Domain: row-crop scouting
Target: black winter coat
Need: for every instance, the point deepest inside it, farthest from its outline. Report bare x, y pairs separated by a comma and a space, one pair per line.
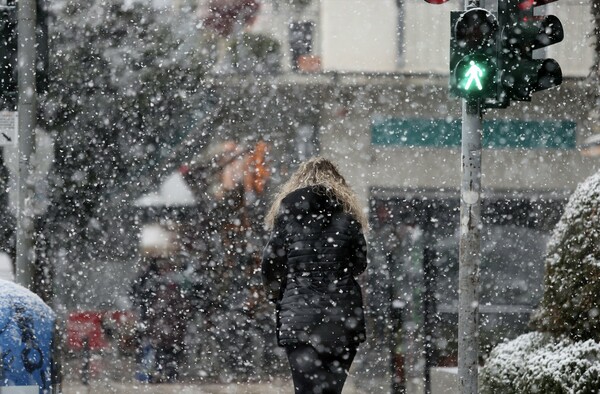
309, 267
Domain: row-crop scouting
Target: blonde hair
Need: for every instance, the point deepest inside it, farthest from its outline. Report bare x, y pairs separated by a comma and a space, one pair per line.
319, 171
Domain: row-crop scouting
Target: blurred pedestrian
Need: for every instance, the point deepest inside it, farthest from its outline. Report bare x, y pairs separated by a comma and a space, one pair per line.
315, 252
164, 306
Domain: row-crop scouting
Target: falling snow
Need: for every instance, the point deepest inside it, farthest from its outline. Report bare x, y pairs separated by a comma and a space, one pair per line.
165, 128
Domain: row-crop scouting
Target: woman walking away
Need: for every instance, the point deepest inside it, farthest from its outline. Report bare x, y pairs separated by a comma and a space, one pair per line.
309, 266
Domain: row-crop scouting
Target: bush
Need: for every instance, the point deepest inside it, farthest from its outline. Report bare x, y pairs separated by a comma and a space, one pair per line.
571, 305
543, 364
563, 356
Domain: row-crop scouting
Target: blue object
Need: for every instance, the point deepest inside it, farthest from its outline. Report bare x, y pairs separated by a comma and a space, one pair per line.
146, 364
27, 327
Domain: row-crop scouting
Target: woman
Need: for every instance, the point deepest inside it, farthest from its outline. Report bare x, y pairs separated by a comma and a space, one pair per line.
309, 266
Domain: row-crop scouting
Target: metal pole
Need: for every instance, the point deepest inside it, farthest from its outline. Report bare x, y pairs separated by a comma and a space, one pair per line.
469, 248
27, 111
429, 307
397, 357
396, 335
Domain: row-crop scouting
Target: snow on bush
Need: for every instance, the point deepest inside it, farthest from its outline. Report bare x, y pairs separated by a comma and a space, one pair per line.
571, 302
564, 356
541, 363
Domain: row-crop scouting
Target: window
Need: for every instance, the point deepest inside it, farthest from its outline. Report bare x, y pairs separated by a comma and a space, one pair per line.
301, 42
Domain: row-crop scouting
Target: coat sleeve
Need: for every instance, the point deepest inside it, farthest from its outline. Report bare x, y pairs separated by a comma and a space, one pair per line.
274, 262
359, 252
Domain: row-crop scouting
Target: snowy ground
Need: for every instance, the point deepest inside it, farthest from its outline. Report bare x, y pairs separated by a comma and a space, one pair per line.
116, 377
103, 383
278, 386
106, 380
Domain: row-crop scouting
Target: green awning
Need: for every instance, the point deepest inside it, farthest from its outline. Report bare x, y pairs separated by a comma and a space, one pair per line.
439, 133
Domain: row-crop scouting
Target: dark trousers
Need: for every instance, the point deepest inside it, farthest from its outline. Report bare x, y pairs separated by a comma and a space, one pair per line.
316, 372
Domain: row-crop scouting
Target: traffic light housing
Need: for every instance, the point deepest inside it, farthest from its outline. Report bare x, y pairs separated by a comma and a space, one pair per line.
473, 55
521, 33
8, 51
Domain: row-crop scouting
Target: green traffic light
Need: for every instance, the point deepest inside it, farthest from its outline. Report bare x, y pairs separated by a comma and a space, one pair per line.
473, 74
474, 77
473, 55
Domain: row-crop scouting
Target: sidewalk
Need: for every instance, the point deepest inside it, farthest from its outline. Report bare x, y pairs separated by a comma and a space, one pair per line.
274, 387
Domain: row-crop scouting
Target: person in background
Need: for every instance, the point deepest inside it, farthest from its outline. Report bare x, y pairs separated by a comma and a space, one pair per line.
164, 307
142, 294
316, 250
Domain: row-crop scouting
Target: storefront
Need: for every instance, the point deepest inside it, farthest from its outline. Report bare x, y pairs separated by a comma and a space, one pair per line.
413, 276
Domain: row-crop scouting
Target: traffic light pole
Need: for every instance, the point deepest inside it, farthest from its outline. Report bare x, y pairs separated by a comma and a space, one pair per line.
27, 110
469, 247
491, 63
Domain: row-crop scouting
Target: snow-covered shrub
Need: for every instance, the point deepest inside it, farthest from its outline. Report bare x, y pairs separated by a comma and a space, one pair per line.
571, 301
541, 363
564, 355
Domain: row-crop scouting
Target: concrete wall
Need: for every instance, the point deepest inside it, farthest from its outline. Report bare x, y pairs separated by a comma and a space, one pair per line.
359, 35
426, 37
574, 53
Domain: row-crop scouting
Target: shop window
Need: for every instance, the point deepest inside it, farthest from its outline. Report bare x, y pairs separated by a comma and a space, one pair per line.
301, 37
413, 274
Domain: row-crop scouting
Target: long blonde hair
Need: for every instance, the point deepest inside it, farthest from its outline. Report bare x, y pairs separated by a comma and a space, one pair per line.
319, 171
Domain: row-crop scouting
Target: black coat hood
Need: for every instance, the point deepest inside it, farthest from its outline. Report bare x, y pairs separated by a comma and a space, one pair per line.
309, 204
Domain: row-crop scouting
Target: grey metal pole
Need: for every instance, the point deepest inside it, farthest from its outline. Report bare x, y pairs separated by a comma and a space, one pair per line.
469, 248
27, 111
